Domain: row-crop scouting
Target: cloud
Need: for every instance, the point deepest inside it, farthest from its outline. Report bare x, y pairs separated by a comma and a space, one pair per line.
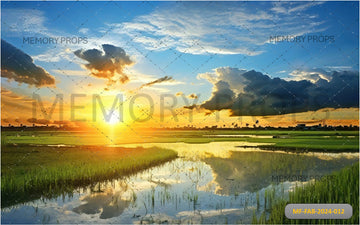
227, 74
84, 30
216, 28
108, 64
192, 96
258, 94
11, 101
63, 122
191, 107
38, 121
339, 68
56, 55
313, 76
222, 97
18, 66
157, 81
292, 7
72, 72
23, 21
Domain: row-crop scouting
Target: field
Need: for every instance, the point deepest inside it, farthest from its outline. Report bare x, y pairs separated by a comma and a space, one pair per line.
31, 172
339, 187
48, 164
332, 141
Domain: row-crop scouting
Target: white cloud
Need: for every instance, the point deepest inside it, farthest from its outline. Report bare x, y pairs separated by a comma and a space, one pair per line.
232, 76
141, 78
84, 30
23, 21
338, 68
310, 75
55, 55
157, 89
224, 28
316, 74
72, 72
292, 7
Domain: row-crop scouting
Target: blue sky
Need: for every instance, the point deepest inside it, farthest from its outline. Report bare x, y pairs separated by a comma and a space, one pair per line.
184, 40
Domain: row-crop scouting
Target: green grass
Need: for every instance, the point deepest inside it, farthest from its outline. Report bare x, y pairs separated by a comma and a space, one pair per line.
335, 141
31, 172
339, 187
331, 144
260, 169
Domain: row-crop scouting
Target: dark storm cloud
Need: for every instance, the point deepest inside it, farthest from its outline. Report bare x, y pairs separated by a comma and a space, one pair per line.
160, 80
261, 95
222, 97
105, 64
193, 106
19, 66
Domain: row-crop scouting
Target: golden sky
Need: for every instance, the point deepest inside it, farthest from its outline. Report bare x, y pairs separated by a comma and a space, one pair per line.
17, 109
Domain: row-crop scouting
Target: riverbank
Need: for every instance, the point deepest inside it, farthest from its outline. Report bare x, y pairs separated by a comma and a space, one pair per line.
301, 141
339, 187
30, 172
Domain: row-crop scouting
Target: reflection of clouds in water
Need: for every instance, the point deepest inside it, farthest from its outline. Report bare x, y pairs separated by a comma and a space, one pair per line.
251, 171
219, 209
115, 197
208, 212
332, 156
220, 185
109, 203
196, 217
200, 150
225, 149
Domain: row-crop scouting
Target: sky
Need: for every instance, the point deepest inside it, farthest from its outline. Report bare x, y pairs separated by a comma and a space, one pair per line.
237, 61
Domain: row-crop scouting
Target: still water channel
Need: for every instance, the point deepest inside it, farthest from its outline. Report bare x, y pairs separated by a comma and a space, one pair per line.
215, 182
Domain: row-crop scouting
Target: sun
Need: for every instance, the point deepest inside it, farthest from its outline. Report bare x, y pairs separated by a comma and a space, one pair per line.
115, 118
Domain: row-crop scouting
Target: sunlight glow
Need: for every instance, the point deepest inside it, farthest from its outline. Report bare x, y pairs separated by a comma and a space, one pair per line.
114, 119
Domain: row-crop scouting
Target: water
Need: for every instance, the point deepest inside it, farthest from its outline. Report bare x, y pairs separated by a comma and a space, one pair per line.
210, 183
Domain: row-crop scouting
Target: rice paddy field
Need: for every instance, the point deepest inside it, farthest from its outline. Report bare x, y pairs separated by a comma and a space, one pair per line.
339, 187
29, 172
337, 141
205, 176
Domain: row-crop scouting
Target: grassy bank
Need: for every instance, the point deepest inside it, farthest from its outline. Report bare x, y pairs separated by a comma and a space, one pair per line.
339, 187
30, 172
334, 141
330, 144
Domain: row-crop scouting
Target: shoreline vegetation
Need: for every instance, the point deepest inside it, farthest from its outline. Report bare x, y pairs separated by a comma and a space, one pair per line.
49, 164
29, 173
339, 187
294, 141
299, 149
